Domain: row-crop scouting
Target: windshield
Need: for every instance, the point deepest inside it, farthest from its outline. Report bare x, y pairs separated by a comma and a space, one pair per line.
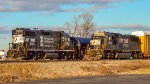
17, 32
97, 37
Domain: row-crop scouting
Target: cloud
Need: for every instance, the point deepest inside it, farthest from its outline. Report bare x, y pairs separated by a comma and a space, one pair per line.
2, 27
125, 27
3, 37
54, 5
4, 30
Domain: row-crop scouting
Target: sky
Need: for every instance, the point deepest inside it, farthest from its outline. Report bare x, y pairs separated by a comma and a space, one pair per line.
120, 16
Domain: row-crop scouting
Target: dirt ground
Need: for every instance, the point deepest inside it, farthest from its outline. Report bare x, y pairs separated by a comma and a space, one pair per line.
16, 72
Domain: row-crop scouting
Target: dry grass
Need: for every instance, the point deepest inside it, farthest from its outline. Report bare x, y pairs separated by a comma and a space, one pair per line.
35, 71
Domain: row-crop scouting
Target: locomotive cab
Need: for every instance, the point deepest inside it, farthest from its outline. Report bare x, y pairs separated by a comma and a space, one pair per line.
17, 47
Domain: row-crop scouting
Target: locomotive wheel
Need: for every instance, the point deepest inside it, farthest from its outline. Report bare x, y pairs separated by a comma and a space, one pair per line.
73, 56
29, 56
35, 56
60, 56
116, 55
81, 55
141, 56
44, 56
135, 56
67, 57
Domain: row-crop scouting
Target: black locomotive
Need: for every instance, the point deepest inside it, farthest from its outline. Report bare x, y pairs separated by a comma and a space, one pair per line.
106, 45
45, 44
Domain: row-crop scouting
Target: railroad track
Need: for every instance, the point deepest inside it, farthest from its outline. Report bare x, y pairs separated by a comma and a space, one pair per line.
47, 61
27, 61
38, 61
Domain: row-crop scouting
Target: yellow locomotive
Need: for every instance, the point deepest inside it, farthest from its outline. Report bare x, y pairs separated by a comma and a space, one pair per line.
144, 42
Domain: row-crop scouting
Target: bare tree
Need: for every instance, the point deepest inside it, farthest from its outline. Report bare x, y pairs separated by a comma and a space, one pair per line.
87, 25
68, 27
82, 25
72, 26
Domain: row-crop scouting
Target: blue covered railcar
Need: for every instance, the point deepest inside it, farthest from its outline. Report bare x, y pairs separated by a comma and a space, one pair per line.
80, 45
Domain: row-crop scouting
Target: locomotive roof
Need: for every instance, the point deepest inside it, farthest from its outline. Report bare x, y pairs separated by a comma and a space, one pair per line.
103, 33
80, 39
140, 33
22, 29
